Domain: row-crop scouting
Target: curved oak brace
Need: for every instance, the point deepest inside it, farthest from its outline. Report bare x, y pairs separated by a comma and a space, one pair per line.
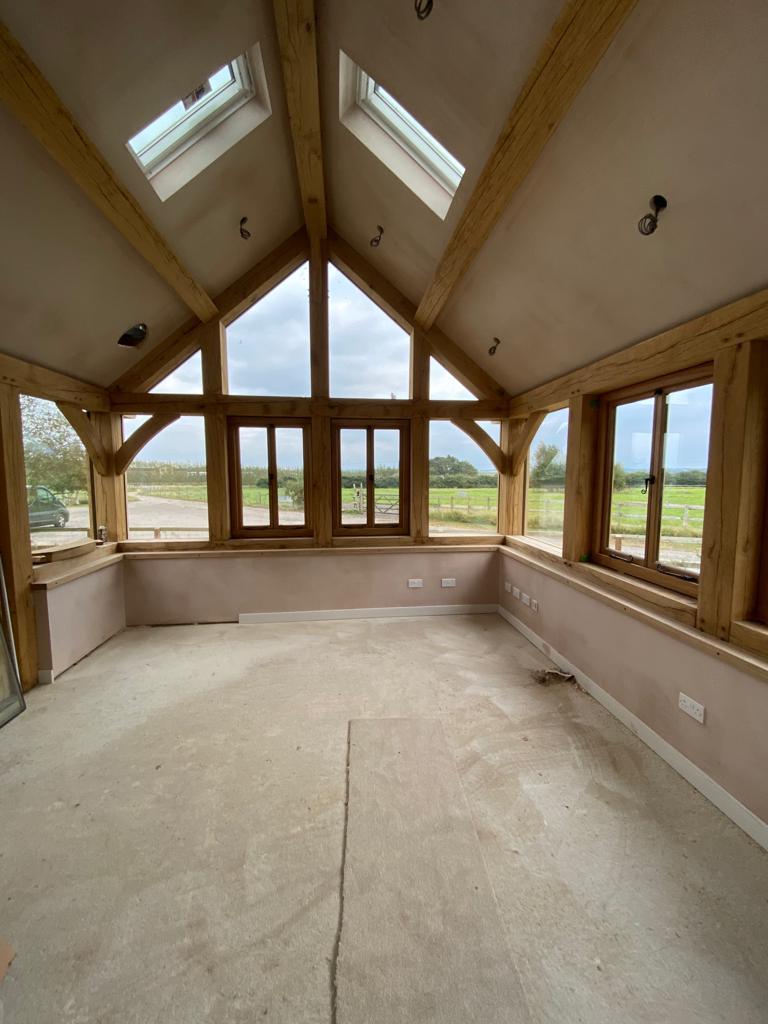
86, 431
483, 441
521, 441
129, 449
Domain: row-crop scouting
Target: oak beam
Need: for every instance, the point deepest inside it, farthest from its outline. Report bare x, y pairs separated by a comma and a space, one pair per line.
295, 21
30, 98
484, 441
736, 480
521, 440
574, 48
215, 382
373, 283
141, 437
51, 385
109, 491
580, 473
687, 345
15, 544
88, 434
246, 405
253, 285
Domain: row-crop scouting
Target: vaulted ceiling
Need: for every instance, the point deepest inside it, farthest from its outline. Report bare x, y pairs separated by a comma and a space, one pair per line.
678, 105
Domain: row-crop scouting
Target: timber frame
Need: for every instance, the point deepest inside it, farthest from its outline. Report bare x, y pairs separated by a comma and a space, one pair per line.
731, 600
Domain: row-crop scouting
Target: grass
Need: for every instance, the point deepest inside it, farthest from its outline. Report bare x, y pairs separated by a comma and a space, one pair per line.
545, 511
477, 506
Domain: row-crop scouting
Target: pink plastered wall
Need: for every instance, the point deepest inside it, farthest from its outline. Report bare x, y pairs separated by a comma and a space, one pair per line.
74, 619
163, 591
645, 670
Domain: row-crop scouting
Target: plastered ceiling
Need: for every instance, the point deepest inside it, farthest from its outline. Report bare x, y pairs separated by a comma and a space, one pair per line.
679, 105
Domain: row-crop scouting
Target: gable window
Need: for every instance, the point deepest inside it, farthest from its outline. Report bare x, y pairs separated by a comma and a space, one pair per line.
654, 481
463, 483
197, 112
370, 477
268, 462
394, 135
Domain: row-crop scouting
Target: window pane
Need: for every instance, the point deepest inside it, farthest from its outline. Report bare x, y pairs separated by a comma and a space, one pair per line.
463, 484
254, 471
686, 446
167, 494
386, 476
443, 384
268, 346
289, 442
370, 356
631, 465
354, 499
58, 485
545, 497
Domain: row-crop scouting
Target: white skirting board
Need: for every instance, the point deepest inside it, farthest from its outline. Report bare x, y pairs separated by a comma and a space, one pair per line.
246, 618
713, 791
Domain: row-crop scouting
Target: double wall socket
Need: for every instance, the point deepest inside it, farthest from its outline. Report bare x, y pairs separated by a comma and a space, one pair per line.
691, 707
414, 584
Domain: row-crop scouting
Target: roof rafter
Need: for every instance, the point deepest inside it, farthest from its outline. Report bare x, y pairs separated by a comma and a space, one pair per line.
30, 98
574, 48
253, 285
295, 21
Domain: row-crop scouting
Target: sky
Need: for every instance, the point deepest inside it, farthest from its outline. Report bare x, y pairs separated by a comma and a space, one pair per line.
268, 354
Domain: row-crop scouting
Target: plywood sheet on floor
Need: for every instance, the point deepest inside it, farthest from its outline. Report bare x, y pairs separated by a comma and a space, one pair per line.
421, 938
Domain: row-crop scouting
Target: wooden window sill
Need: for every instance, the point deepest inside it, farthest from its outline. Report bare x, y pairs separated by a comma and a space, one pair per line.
579, 576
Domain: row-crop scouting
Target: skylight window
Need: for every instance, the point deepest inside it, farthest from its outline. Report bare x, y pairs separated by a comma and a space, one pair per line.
389, 131
193, 115
412, 136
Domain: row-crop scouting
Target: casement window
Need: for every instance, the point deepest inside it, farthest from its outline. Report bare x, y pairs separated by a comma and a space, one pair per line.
371, 477
268, 475
207, 105
545, 481
654, 477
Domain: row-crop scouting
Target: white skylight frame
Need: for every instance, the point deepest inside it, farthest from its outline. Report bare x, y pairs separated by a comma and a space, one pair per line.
406, 130
172, 136
381, 123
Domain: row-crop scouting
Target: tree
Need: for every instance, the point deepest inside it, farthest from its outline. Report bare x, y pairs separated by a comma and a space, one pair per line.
54, 456
619, 477
548, 466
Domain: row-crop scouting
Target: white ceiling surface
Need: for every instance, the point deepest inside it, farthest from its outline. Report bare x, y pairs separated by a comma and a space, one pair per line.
458, 73
679, 106
70, 284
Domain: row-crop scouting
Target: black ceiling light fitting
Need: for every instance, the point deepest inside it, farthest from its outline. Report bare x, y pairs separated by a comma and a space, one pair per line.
375, 242
423, 9
245, 234
494, 346
648, 224
133, 337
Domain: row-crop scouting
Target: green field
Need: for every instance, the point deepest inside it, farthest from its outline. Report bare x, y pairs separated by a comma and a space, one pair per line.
682, 514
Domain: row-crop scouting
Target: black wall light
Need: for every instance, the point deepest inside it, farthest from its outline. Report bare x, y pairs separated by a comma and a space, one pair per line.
134, 336
375, 242
494, 346
648, 224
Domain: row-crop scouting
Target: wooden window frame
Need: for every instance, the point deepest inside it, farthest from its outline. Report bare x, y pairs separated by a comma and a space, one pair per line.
603, 555
273, 529
372, 529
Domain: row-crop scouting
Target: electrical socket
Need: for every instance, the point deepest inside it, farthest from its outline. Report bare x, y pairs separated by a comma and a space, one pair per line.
534, 605
691, 707
508, 586
447, 582
526, 600
516, 592
414, 584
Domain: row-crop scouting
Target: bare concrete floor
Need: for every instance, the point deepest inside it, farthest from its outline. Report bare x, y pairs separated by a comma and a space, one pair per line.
171, 819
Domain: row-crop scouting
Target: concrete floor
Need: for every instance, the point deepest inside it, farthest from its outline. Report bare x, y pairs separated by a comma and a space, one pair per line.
171, 820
